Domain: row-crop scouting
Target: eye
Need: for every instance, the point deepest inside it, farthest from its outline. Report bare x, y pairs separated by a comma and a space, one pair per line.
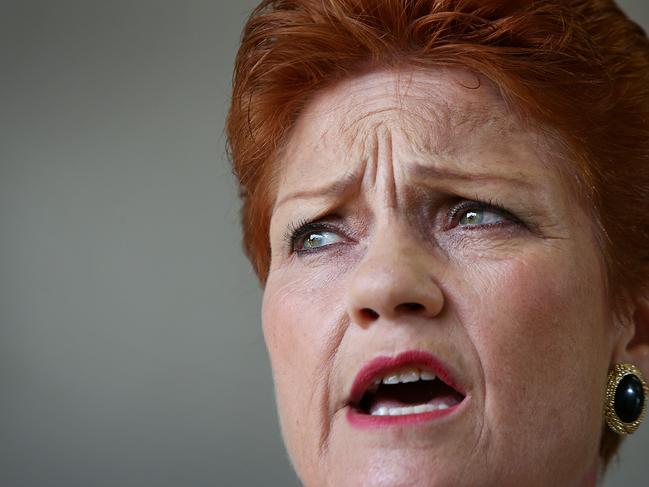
479, 217
479, 214
316, 240
308, 237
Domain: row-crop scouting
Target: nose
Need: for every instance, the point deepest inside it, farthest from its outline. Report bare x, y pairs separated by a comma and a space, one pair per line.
395, 279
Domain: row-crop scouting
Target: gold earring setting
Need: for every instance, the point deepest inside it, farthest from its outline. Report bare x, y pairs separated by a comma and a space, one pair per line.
626, 399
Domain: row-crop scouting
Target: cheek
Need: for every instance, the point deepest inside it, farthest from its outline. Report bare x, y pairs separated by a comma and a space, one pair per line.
544, 313
541, 341
300, 323
298, 314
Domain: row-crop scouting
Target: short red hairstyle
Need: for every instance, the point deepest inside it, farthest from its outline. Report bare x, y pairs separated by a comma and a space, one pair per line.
579, 66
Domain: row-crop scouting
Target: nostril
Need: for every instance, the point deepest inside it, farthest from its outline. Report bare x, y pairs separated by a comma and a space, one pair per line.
369, 314
409, 307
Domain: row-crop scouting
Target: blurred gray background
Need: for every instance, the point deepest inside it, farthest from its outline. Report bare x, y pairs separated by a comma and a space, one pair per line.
131, 351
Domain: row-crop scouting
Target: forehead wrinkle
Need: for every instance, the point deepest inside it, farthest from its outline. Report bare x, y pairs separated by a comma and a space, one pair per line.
451, 107
370, 154
451, 128
371, 141
431, 125
446, 114
380, 172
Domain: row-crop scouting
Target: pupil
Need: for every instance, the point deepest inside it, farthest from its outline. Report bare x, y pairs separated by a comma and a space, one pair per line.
471, 217
313, 240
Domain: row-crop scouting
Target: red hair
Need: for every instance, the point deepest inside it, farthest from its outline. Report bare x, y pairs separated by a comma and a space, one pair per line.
579, 66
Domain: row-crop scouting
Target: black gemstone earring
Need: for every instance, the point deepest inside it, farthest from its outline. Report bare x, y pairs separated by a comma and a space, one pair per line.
626, 399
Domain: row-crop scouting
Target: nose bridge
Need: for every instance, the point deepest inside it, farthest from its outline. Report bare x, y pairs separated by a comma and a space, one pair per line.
396, 278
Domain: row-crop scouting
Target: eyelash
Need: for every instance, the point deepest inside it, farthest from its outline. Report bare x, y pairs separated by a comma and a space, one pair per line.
302, 228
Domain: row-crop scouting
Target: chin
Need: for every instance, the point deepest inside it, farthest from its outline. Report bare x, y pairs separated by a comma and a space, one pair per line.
403, 469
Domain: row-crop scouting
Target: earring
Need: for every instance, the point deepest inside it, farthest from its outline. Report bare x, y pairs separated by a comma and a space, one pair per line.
626, 399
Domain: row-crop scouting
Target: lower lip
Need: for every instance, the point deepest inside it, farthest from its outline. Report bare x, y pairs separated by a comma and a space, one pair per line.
365, 421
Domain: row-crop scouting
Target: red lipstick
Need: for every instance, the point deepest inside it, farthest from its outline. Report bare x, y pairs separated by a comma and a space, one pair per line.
421, 401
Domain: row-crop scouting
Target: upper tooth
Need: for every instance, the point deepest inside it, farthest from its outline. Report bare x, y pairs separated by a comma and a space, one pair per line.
391, 379
425, 375
405, 376
410, 376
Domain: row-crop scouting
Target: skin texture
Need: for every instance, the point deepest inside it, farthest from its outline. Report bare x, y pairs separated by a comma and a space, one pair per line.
516, 307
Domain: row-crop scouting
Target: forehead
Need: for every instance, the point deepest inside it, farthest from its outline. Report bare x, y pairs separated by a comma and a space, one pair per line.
447, 116
436, 106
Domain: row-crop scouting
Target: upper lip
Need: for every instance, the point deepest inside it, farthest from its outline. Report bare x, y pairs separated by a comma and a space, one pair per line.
379, 366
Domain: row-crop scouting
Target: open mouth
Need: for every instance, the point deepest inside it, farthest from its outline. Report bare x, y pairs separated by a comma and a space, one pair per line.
413, 383
408, 391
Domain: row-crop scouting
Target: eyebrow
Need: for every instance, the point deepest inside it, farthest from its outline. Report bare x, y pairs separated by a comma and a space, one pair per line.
344, 184
336, 188
446, 174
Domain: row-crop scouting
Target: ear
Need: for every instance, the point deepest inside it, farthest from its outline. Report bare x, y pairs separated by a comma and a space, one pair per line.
632, 343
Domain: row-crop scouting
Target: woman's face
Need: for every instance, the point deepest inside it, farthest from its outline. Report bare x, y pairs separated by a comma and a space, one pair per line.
426, 239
